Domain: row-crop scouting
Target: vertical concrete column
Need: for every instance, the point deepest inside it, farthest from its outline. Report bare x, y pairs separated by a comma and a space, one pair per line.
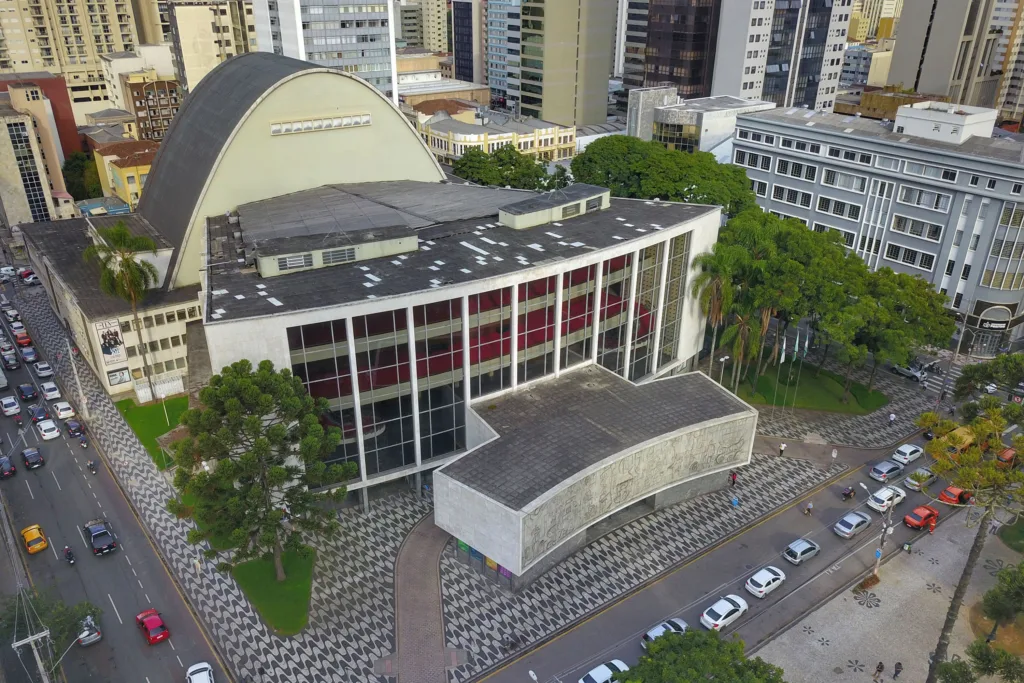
596, 322
515, 336
353, 369
659, 314
410, 329
466, 393
634, 274
559, 280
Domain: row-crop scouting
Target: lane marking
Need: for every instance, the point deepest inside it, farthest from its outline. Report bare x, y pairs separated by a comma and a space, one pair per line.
147, 598
140, 584
172, 644
54, 552
133, 572
55, 480
115, 610
94, 494
125, 556
29, 489
179, 661
85, 541
104, 513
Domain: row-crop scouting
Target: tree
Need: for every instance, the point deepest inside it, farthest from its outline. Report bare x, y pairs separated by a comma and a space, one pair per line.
30, 610
254, 455
80, 176
712, 287
559, 179
994, 488
125, 274
1004, 602
519, 170
699, 655
475, 166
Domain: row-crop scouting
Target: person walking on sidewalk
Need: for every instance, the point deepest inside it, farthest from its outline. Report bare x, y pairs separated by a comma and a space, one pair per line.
878, 672
897, 670
892, 419
782, 449
732, 477
942, 396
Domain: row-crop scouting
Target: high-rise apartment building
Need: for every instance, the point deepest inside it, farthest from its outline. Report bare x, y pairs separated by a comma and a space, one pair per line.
469, 40
789, 53
206, 32
355, 36
1011, 93
155, 58
871, 18
952, 48
503, 46
409, 20
435, 24
153, 21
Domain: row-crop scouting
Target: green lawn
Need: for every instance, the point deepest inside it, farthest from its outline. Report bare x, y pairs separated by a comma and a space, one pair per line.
284, 606
1013, 535
812, 391
148, 422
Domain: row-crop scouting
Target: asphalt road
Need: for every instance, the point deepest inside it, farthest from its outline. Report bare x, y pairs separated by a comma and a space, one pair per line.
615, 632
62, 496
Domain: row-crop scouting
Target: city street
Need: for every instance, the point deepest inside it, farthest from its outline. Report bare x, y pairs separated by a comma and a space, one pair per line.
615, 633
62, 496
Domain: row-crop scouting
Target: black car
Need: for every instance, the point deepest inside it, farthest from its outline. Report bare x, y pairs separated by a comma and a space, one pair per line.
7, 468
103, 539
32, 458
39, 413
75, 428
11, 362
27, 392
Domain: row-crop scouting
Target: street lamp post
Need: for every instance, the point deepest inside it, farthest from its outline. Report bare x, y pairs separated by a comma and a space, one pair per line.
887, 528
166, 419
721, 375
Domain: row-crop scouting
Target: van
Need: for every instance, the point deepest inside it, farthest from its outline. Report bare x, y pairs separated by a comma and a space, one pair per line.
966, 440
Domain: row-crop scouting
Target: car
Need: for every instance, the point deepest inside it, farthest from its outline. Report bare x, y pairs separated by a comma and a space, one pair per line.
1006, 459
27, 392
10, 361
724, 612
31, 280
920, 478
953, 495
7, 270
39, 413
605, 672
886, 497
673, 625
48, 430
851, 524
35, 539
152, 625
18, 327
928, 435
89, 633
101, 535
63, 410
885, 470
12, 315
764, 582
7, 348
921, 517
908, 372
50, 391
7, 468
199, 673
74, 427
29, 355
43, 370
23, 271
10, 405
907, 453
32, 458
801, 550
991, 388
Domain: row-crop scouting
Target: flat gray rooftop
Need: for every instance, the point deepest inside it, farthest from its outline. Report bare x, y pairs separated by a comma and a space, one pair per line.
560, 427
715, 103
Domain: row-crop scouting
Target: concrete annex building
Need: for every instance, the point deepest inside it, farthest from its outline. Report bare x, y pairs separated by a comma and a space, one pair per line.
426, 311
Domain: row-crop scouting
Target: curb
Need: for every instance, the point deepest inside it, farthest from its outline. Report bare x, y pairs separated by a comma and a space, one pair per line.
711, 547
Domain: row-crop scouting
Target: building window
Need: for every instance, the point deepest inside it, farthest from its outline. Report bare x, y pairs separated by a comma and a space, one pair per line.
30, 176
958, 299
950, 264
295, 261
844, 181
126, 325
158, 318
975, 180
917, 228
925, 198
966, 272
335, 256
991, 183
927, 261
1016, 188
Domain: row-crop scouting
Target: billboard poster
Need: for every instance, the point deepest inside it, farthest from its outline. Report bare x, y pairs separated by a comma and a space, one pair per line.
111, 344
115, 377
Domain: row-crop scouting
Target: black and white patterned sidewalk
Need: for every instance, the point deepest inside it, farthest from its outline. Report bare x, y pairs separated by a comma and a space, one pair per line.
351, 622
478, 616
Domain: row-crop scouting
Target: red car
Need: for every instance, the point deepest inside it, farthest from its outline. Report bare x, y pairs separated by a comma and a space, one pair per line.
22, 339
153, 627
955, 496
921, 517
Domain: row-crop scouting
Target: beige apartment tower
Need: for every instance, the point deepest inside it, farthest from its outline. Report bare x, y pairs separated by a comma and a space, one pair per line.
566, 58
204, 33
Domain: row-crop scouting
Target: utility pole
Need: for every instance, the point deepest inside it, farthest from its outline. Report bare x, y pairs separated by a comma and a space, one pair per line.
887, 529
33, 640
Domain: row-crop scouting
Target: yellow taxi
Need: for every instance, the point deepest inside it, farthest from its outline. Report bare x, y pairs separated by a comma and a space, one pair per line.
35, 541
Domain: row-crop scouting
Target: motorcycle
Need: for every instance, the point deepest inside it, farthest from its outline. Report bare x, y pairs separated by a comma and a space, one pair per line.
18, 420
68, 555
83, 442
849, 492
92, 466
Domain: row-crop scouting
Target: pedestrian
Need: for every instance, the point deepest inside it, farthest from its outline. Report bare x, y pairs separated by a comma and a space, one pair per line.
782, 449
892, 419
735, 502
931, 525
732, 477
878, 672
952, 410
897, 670
942, 396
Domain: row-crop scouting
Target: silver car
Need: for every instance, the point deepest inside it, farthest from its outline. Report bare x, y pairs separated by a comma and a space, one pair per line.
851, 524
920, 478
885, 471
673, 625
801, 550
89, 633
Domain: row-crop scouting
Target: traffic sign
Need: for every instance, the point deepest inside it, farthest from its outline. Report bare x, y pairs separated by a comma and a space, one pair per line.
878, 553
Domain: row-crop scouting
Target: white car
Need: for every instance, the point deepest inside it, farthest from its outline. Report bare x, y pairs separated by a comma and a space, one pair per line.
7, 270
668, 626
886, 497
32, 280
991, 388
48, 430
17, 327
43, 370
907, 453
12, 315
10, 405
63, 410
199, 673
50, 391
764, 582
724, 612
604, 673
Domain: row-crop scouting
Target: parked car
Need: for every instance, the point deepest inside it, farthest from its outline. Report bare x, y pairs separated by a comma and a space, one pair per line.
907, 453
851, 524
764, 582
7, 270
885, 470
801, 550
604, 672
991, 388
886, 497
921, 517
953, 495
673, 625
31, 280
920, 478
724, 612
1006, 459
909, 373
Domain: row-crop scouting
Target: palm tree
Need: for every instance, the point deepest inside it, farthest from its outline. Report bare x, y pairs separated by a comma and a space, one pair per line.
713, 288
743, 334
124, 274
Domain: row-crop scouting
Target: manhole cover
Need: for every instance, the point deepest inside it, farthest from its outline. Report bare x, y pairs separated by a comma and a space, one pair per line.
837, 670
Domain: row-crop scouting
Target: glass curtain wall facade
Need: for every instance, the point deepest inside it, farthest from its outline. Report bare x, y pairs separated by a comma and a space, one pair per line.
795, 22
503, 51
404, 369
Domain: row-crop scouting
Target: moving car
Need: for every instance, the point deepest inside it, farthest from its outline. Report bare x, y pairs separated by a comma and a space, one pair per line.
885, 470
764, 582
673, 625
604, 672
801, 550
909, 373
43, 370
955, 496
101, 536
10, 361
152, 626
907, 453
851, 524
724, 612
29, 355
920, 478
35, 540
74, 427
32, 458
50, 391
39, 413
886, 497
199, 673
7, 468
48, 430
10, 405
89, 633
22, 339
921, 516
63, 410
27, 392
